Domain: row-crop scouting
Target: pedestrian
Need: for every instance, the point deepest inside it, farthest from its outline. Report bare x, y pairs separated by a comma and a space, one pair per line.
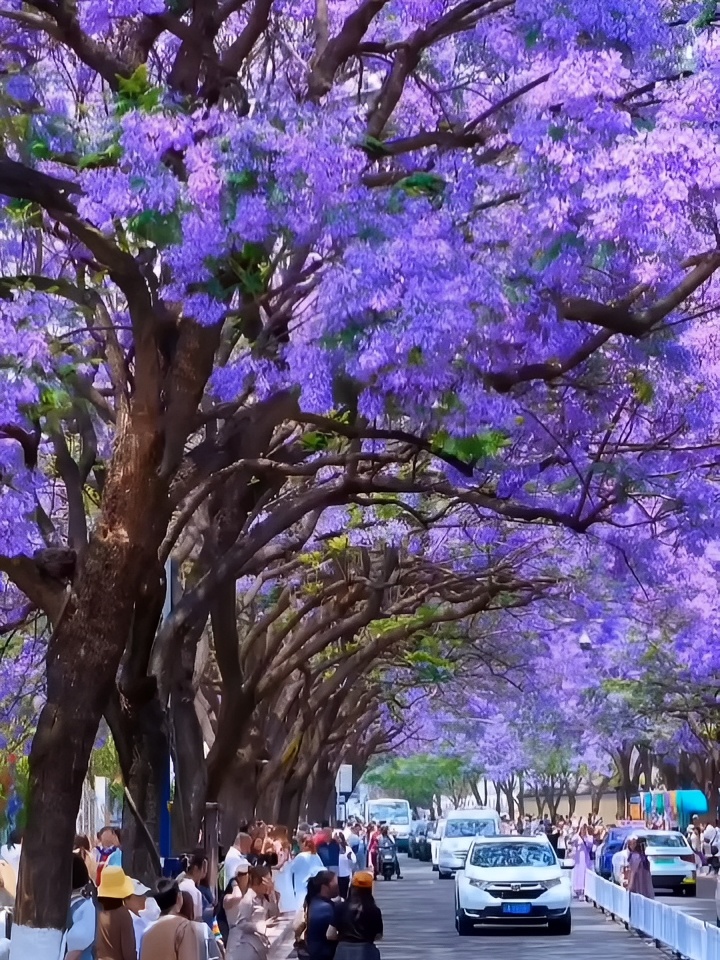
694, 836
81, 846
347, 864
637, 875
144, 911
171, 937
711, 847
238, 854
359, 922
81, 932
10, 852
328, 849
582, 848
262, 853
305, 865
280, 838
251, 914
321, 915
232, 894
358, 843
107, 852
115, 930
374, 835
189, 880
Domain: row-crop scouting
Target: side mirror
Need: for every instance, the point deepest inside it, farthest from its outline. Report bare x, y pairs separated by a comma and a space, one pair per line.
567, 864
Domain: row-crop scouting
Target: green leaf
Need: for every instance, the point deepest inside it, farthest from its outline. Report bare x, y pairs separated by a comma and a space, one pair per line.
564, 242
243, 181
158, 228
137, 93
532, 37
40, 150
642, 388
470, 449
315, 441
708, 15
374, 147
423, 185
104, 158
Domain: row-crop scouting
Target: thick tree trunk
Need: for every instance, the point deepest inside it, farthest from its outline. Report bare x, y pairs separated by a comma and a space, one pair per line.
238, 800
319, 795
289, 808
145, 785
82, 665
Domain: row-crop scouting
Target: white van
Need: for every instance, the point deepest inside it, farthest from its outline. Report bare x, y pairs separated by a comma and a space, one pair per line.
461, 828
435, 841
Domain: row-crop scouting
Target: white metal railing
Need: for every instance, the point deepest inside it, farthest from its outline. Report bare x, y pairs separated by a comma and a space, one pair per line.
608, 896
686, 936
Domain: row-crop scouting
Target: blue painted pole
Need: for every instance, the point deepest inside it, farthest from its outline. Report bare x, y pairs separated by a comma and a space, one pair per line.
165, 821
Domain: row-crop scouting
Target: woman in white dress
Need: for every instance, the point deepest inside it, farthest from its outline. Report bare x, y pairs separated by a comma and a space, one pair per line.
305, 865
248, 916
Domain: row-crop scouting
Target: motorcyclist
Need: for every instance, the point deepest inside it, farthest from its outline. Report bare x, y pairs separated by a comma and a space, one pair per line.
386, 842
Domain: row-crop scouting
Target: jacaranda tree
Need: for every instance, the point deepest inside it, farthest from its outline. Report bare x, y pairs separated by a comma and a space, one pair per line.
420, 248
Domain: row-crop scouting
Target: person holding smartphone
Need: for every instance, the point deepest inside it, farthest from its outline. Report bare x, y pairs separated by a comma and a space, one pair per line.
257, 908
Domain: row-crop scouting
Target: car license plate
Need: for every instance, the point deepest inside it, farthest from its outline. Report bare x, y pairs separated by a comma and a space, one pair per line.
516, 908
665, 860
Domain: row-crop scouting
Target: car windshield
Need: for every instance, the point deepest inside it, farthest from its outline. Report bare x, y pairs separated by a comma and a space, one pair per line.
470, 828
389, 812
513, 855
664, 841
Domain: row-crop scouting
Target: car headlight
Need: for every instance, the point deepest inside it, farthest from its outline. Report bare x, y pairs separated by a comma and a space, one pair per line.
479, 884
552, 883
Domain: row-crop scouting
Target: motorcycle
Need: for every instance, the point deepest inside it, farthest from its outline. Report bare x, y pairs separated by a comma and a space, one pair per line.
386, 862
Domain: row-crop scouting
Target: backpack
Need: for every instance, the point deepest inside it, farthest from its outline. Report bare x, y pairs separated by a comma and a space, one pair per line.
89, 953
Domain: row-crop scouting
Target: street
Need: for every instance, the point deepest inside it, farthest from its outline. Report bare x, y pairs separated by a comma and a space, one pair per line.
419, 921
702, 906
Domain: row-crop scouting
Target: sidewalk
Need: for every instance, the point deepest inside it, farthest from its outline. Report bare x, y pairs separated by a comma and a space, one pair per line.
281, 938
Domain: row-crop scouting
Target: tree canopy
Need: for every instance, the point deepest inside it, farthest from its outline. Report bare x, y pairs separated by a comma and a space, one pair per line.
376, 323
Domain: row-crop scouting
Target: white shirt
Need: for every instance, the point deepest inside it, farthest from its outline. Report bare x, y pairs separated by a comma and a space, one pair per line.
188, 886
347, 864
233, 860
11, 855
83, 930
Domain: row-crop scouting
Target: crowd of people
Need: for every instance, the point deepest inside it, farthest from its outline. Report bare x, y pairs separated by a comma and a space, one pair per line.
323, 878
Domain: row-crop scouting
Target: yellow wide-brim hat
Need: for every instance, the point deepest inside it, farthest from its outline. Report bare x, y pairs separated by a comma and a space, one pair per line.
114, 883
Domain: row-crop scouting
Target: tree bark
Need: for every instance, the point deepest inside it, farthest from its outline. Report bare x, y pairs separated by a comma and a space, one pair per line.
82, 664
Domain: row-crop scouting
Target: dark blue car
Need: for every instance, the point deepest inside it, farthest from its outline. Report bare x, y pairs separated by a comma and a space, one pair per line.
608, 848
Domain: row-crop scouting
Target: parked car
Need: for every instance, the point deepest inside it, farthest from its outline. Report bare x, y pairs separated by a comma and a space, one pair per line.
513, 881
611, 845
672, 861
461, 828
417, 829
424, 842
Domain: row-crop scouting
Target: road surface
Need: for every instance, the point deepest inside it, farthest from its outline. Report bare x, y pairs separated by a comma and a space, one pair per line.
419, 916
702, 906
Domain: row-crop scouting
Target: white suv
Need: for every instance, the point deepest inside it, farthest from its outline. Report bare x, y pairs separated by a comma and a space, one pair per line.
513, 880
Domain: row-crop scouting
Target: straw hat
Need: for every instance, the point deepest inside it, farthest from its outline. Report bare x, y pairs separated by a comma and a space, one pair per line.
363, 880
115, 884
